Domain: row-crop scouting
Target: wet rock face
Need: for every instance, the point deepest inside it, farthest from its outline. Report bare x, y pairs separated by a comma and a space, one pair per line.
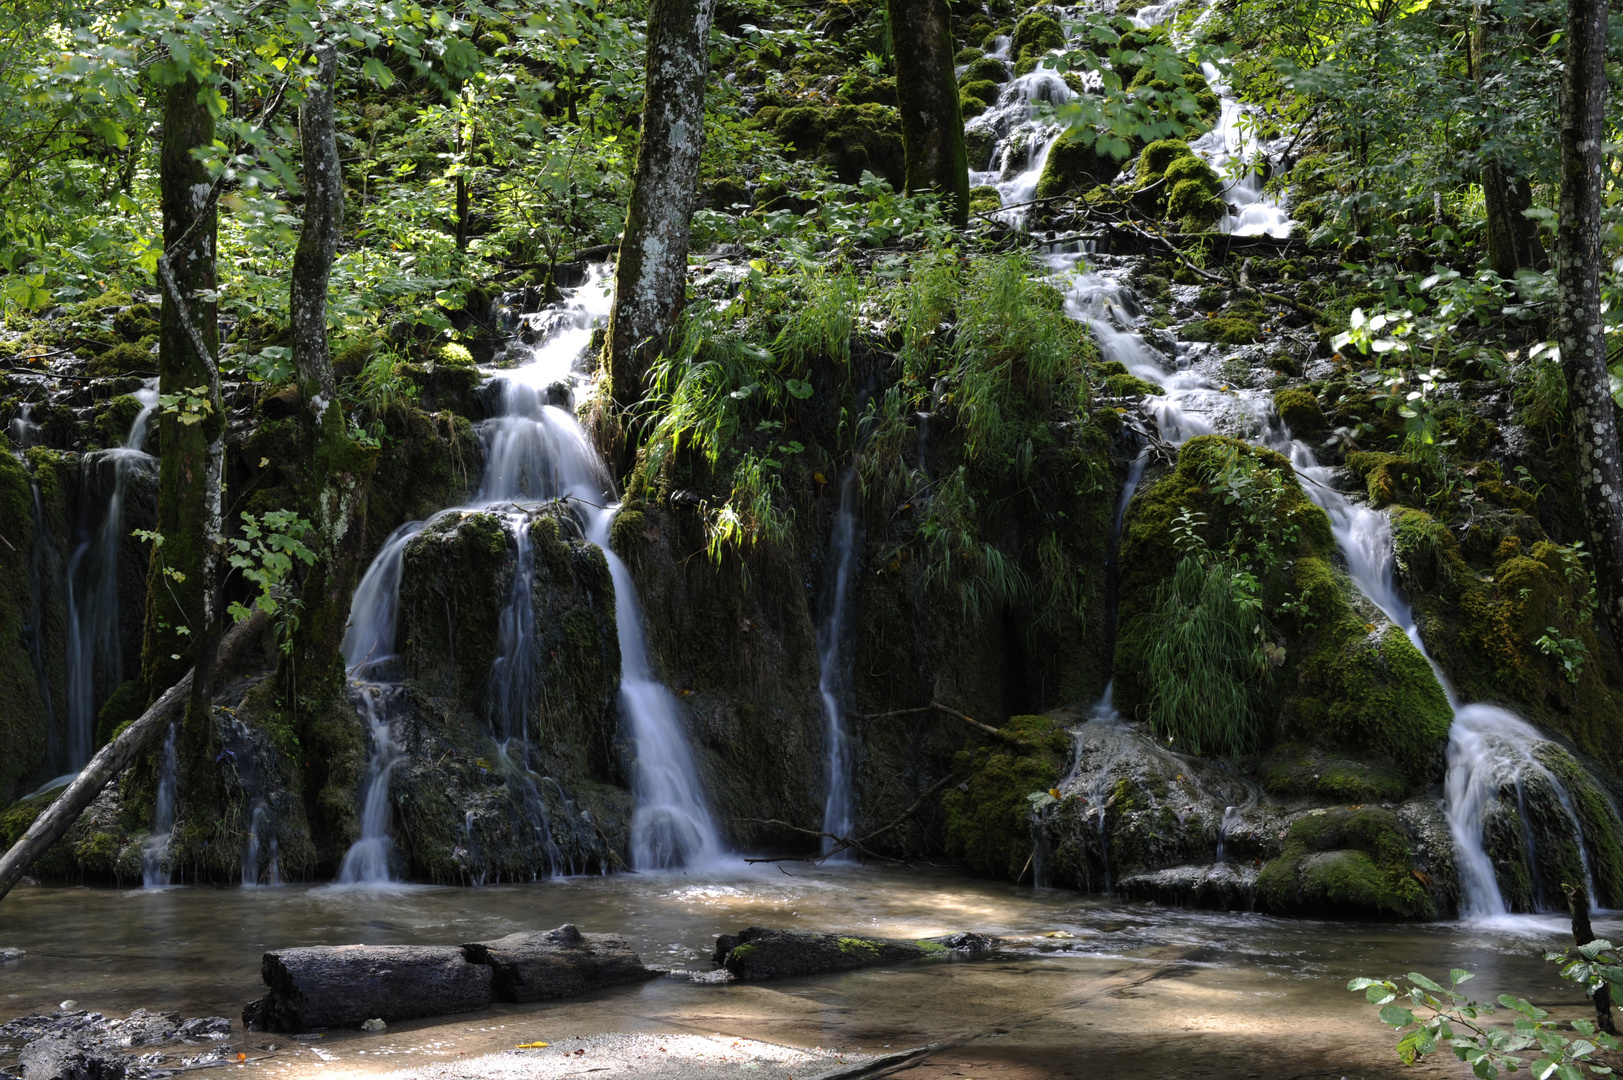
78, 1045
761, 953
515, 767
55, 1058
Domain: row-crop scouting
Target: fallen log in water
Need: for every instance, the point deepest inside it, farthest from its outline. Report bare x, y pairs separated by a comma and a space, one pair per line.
344, 985
760, 953
557, 963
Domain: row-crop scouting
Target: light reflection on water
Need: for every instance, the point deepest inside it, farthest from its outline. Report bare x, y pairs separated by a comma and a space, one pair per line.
197, 950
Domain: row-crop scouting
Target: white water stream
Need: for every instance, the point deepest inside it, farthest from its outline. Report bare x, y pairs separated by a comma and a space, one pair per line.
535, 453
834, 657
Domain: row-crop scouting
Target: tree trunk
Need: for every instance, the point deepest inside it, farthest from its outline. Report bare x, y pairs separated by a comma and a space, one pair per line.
113, 758
318, 242
1578, 328
335, 470
1513, 241
927, 91
179, 583
650, 281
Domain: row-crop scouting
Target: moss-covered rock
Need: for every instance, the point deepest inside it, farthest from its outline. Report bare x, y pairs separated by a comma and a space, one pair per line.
1155, 158
1347, 862
124, 359
1035, 34
1302, 771
989, 824
1222, 330
1300, 410
850, 139
985, 69
1074, 168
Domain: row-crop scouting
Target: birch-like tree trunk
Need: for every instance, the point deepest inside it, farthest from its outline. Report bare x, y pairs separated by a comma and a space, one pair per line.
927, 92
180, 578
650, 280
318, 242
1578, 327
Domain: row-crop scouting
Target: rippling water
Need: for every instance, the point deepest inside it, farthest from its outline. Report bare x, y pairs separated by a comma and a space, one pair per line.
1136, 985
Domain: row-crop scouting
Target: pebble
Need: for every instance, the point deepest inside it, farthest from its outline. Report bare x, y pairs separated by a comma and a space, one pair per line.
9, 955
68, 1004
375, 1024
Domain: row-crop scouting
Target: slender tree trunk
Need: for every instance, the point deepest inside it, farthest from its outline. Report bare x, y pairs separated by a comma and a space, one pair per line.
336, 470
1578, 328
318, 243
1513, 241
650, 281
179, 581
926, 90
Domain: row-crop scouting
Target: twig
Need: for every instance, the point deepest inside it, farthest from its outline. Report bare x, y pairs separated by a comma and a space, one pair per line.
918, 804
971, 721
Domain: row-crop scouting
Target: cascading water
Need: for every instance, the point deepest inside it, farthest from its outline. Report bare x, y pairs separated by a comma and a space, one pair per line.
1490, 751
95, 658
154, 874
535, 454
834, 656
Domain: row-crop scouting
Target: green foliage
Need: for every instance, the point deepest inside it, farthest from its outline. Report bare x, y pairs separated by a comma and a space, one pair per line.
264, 554
1201, 646
1429, 1015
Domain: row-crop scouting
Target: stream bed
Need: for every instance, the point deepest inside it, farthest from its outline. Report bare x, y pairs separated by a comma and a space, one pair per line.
1122, 990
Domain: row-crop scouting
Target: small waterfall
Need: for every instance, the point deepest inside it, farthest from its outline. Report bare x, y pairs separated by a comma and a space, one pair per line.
153, 872
369, 657
834, 655
1231, 818
261, 841
23, 430
670, 825
39, 567
535, 454
1490, 751
95, 658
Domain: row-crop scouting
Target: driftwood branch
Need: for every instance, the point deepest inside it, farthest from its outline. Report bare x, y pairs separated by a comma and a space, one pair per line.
115, 757
948, 709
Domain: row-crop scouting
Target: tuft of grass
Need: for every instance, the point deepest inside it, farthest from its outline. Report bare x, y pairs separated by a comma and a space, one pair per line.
1201, 647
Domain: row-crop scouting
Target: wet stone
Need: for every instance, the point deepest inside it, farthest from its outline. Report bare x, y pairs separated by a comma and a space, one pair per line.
761, 953
59, 1058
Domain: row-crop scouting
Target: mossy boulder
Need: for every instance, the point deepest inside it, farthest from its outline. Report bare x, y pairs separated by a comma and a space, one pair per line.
1298, 770
849, 139
1346, 862
975, 97
985, 69
1155, 158
1222, 330
1074, 168
984, 200
113, 423
1035, 34
124, 359
1195, 209
1300, 410
978, 143
989, 822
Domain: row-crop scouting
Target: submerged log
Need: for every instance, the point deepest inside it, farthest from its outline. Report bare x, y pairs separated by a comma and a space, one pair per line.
345, 985
760, 953
539, 965
340, 986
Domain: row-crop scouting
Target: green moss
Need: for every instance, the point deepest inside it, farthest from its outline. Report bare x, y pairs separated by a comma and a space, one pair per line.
114, 422
1074, 168
123, 706
1300, 770
454, 355
984, 200
1345, 862
978, 143
1300, 410
932, 948
1194, 207
1125, 385
124, 359
847, 138
741, 953
989, 823
858, 947
1157, 156
1389, 478
1036, 33
1222, 330
985, 69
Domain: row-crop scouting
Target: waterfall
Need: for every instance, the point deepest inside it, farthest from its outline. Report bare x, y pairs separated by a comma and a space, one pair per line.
261, 825
1489, 749
1022, 140
535, 454
95, 657
153, 872
834, 655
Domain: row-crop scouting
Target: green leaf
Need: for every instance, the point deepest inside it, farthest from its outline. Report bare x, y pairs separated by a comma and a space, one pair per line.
1459, 975
379, 71
1397, 1016
1424, 983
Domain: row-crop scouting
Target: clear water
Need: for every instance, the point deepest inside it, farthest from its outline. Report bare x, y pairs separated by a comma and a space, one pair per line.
1235, 993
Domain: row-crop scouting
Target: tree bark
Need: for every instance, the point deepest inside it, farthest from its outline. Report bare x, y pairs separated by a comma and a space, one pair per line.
1512, 238
650, 280
927, 91
1578, 327
318, 242
113, 758
178, 608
